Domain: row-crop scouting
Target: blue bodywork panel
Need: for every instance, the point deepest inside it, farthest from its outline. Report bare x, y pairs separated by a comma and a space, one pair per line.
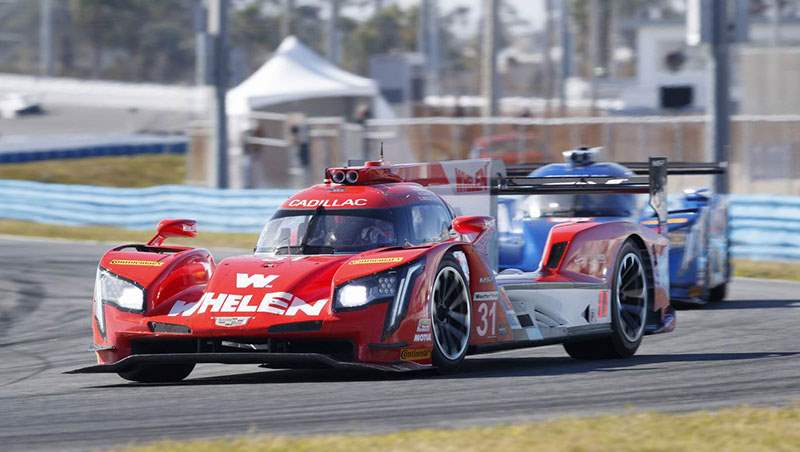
697, 226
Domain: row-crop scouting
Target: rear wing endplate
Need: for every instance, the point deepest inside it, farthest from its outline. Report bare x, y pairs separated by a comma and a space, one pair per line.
653, 181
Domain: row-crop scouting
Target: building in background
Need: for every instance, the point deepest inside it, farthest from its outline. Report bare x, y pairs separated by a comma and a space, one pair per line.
401, 79
672, 76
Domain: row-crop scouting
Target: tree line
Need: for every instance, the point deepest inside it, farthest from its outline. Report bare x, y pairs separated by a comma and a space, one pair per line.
155, 40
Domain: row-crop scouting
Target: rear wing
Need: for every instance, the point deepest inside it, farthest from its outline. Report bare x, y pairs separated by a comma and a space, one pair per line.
654, 183
673, 168
471, 187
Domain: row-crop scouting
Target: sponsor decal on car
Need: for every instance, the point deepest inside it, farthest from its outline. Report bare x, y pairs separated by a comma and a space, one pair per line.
472, 182
376, 260
486, 296
136, 262
278, 303
243, 281
485, 279
424, 326
358, 202
413, 354
422, 337
231, 321
602, 305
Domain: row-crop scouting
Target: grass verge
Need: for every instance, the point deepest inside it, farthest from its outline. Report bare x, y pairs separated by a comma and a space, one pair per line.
119, 236
768, 270
744, 268
122, 171
737, 429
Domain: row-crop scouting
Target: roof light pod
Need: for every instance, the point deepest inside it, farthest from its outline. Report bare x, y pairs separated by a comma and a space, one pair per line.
364, 175
583, 156
338, 177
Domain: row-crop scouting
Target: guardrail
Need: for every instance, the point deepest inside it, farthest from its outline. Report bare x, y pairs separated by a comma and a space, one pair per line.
765, 227
90, 146
761, 227
138, 208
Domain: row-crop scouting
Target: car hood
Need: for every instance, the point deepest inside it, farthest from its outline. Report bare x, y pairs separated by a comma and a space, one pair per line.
272, 290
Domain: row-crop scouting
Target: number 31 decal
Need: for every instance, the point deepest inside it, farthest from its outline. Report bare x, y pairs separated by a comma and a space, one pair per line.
487, 325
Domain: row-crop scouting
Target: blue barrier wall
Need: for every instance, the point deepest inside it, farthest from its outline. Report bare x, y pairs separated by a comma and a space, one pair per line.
139, 208
765, 227
761, 227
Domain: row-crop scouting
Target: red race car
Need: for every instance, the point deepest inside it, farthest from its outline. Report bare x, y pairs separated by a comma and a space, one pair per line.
373, 269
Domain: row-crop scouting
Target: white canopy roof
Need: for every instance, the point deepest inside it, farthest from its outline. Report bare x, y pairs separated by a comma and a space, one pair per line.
294, 73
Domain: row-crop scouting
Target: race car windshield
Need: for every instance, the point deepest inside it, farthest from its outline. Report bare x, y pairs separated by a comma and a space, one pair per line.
333, 231
581, 205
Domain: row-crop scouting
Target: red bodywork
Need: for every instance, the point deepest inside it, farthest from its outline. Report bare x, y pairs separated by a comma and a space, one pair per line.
289, 299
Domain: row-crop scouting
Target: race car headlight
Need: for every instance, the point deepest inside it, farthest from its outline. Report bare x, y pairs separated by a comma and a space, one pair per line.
395, 285
98, 305
363, 291
112, 289
677, 239
399, 306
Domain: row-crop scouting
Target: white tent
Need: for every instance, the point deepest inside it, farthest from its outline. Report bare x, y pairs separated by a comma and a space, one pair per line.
294, 80
294, 77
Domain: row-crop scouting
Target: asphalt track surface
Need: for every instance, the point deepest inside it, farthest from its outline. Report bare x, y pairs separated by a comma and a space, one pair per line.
743, 351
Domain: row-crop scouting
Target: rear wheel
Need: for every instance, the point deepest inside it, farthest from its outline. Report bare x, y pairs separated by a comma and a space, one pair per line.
630, 303
157, 373
718, 293
450, 312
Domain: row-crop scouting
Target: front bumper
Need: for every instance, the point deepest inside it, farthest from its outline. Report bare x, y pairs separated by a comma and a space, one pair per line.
265, 359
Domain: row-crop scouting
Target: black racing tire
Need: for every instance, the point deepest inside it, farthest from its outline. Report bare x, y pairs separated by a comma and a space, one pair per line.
718, 293
157, 373
630, 304
450, 312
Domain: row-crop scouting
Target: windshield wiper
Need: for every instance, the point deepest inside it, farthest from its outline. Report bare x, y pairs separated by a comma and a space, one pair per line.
557, 213
287, 249
303, 249
316, 249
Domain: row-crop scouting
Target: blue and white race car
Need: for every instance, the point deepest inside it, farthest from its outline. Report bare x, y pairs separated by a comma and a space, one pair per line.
699, 261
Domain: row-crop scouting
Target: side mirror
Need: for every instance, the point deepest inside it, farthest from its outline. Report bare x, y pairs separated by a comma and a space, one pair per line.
173, 228
472, 224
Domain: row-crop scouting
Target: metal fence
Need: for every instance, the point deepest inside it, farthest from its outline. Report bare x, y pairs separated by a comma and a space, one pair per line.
764, 154
761, 227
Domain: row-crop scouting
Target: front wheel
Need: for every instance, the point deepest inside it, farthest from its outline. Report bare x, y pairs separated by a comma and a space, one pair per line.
450, 312
631, 299
157, 373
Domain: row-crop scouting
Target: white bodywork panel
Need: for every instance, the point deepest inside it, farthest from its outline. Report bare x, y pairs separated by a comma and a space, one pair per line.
554, 308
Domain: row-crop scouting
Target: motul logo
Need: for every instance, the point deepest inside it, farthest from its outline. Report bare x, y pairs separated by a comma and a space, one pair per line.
469, 183
243, 281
